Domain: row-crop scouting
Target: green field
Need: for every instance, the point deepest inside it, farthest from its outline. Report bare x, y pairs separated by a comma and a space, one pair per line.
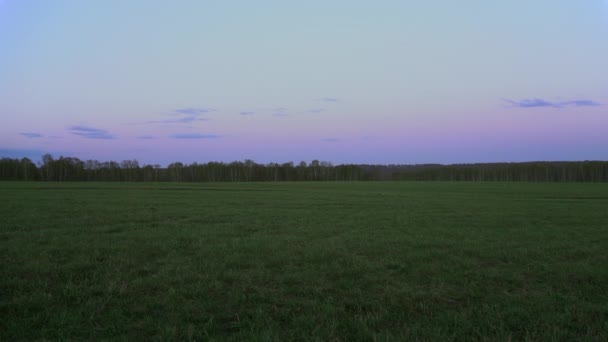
304, 261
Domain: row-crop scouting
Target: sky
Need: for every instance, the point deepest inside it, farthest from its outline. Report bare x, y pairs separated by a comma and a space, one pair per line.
390, 82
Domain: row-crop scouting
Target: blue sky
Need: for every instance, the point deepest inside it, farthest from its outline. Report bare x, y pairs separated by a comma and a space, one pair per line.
344, 81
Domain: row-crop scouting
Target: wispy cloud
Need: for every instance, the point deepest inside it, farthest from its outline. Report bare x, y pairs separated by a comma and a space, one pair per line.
581, 103
330, 99
184, 116
145, 137
331, 140
530, 103
316, 110
194, 136
91, 132
280, 112
536, 103
246, 113
193, 111
183, 120
31, 135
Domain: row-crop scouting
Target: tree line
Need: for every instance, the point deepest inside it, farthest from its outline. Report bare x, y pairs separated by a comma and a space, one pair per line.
583, 171
68, 169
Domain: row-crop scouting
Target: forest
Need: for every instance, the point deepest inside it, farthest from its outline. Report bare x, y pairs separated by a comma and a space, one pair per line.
70, 169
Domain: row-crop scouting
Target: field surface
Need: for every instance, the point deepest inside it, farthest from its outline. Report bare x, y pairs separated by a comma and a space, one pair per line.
304, 261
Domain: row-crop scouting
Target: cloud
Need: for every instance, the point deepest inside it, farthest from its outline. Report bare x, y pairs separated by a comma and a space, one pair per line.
331, 140
184, 116
145, 137
91, 132
194, 136
184, 120
280, 111
330, 99
536, 102
31, 135
581, 103
246, 113
316, 110
531, 103
193, 111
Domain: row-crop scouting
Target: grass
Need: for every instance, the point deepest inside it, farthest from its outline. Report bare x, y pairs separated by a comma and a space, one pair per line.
304, 261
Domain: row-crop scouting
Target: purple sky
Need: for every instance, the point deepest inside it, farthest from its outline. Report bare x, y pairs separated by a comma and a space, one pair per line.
360, 82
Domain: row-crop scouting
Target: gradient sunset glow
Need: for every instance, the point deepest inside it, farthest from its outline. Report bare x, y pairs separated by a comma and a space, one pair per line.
345, 81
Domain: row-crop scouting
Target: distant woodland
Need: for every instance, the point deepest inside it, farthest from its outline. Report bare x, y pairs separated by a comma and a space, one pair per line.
70, 169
